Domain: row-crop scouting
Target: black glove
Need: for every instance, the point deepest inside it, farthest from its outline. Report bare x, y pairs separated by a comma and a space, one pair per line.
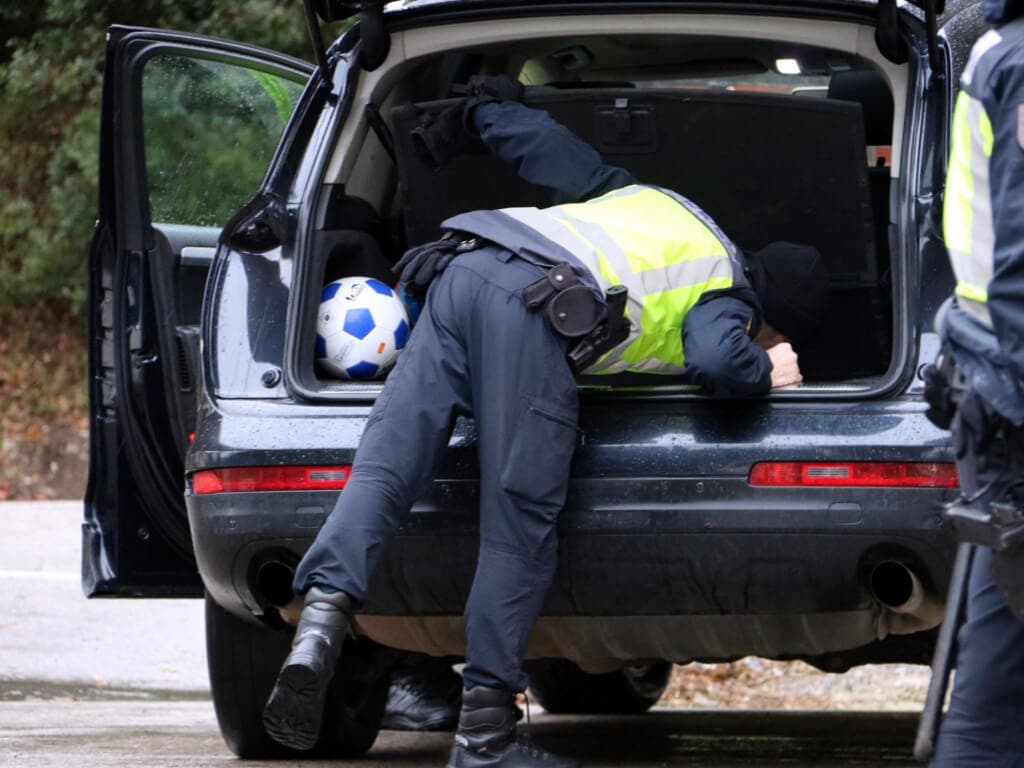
483, 89
437, 140
420, 265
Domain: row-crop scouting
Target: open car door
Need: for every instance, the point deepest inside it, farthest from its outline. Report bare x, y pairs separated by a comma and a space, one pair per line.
189, 127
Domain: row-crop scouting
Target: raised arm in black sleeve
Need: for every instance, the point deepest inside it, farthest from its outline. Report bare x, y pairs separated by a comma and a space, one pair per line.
721, 357
546, 153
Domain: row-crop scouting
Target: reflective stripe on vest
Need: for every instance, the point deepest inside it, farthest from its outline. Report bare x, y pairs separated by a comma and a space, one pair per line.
967, 216
967, 210
660, 246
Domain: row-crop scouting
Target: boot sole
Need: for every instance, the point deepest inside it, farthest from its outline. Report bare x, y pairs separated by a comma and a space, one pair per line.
295, 708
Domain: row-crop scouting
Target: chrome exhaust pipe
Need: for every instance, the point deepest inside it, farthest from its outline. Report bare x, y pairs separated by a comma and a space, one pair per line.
907, 606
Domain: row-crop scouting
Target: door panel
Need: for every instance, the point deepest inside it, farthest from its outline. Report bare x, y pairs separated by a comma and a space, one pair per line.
189, 127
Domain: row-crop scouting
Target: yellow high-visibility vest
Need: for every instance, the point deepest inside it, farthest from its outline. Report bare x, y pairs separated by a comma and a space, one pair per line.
659, 245
967, 213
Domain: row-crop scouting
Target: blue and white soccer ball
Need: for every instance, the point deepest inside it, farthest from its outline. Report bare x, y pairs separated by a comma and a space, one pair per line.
360, 329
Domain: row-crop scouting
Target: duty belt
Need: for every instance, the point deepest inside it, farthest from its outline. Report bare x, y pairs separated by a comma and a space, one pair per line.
998, 524
994, 515
944, 388
573, 311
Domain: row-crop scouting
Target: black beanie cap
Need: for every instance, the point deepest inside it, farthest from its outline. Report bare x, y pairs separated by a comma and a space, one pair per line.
793, 286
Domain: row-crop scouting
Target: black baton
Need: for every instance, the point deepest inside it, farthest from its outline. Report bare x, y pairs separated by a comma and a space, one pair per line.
945, 654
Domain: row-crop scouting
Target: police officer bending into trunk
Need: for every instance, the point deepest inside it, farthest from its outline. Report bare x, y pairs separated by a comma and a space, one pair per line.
978, 384
521, 300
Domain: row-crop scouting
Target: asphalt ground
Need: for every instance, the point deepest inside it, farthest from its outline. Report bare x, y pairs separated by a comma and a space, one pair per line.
97, 683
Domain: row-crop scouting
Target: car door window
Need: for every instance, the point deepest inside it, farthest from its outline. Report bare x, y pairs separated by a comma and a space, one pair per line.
210, 131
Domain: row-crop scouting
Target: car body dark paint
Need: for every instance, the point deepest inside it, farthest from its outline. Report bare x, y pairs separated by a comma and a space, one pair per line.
660, 520
653, 483
135, 540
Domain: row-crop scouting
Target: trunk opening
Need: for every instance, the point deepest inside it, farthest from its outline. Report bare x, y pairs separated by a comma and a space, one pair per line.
775, 141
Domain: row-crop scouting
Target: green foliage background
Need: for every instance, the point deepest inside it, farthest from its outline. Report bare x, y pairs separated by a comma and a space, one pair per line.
210, 133
51, 61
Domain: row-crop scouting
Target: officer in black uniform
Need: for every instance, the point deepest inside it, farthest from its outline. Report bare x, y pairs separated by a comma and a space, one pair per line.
479, 350
978, 383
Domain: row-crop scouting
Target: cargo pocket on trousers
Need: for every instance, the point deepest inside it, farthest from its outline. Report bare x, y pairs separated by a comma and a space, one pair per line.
536, 469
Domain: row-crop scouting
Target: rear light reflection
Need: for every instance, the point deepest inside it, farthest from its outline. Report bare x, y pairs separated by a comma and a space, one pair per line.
855, 474
238, 479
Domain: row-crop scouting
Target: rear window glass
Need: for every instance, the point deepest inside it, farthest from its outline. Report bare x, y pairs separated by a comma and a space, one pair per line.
211, 129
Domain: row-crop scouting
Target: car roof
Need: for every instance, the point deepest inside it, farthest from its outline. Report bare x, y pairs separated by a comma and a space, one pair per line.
397, 6
373, 15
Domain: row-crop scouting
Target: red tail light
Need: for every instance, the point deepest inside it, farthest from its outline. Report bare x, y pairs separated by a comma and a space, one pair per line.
235, 479
855, 474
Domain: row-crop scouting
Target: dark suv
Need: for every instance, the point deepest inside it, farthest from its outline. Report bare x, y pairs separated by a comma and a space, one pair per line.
800, 525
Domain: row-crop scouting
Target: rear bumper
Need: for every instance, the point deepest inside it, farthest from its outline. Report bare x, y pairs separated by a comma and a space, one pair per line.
665, 550
657, 568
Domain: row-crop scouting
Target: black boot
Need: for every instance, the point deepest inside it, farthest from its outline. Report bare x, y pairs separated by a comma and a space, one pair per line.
296, 705
486, 737
426, 697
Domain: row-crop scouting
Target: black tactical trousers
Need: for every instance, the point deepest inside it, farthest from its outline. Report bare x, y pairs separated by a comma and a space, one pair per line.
474, 351
984, 726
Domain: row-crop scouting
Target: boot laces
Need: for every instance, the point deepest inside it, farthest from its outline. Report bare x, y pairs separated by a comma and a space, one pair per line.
533, 751
526, 700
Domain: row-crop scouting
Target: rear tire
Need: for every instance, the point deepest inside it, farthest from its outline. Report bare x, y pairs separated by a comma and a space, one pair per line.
561, 687
244, 659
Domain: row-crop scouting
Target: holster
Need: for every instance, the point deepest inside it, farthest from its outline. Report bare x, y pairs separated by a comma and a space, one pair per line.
994, 517
998, 525
944, 387
569, 306
606, 336
573, 311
